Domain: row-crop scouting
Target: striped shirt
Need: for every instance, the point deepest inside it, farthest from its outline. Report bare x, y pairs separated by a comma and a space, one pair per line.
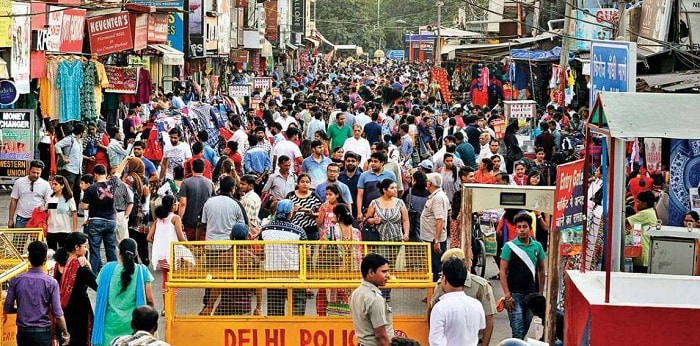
123, 196
311, 202
251, 203
282, 256
139, 338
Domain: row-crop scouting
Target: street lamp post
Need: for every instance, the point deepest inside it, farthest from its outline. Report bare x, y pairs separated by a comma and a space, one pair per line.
379, 37
439, 39
403, 37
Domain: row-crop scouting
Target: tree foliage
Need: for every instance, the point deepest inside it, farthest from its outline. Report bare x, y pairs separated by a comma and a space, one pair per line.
355, 21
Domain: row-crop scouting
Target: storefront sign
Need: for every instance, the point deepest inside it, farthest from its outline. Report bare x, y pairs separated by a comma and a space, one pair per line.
271, 20
139, 30
40, 40
197, 47
613, 67
262, 83
196, 18
66, 29
157, 28
6, 23
593, 24
8, 93
211, 42
654, 24
298, 15
21, 43
175, 31
110, 34
37, 58
239, 90
123, 80
568, 196
16, 142
520, 109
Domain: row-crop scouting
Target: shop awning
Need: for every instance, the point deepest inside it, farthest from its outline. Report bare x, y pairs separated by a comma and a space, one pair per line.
171, 56
291, 46
316, 42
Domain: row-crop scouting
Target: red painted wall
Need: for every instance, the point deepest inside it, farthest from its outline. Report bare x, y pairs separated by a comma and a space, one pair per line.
576, 314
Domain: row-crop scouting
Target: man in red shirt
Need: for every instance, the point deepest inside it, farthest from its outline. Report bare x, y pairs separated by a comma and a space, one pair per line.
197, 153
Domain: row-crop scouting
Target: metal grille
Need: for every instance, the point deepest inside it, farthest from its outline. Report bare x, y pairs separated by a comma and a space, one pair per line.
21, 237
11, 262
276, 302
253, 261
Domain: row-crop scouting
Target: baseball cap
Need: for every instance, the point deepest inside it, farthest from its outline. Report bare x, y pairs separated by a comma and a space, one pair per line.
426, 164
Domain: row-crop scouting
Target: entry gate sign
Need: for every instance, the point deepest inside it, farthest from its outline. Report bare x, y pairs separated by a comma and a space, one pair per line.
613, 67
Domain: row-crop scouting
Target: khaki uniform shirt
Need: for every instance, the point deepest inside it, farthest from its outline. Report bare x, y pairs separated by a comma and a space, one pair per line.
475, 287
369, 310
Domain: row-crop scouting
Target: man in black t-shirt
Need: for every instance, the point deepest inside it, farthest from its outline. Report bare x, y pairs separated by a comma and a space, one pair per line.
102, 223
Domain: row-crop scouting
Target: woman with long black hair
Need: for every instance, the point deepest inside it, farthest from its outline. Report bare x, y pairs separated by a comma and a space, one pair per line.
122, 287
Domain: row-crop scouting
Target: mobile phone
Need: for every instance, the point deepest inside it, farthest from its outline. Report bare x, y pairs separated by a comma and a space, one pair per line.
53, 206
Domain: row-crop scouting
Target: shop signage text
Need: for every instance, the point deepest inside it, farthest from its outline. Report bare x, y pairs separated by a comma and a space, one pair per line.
110, 34
66, 28
520, 109
139, 30
122, 80
8, 93
157, 28
16, 142
568, 197
298, 9
613, 67
40, 40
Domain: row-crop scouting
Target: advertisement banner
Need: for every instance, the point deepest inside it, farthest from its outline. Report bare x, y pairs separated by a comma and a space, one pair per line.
271, 20
110, 34
593, 24
21, 43
139, 30
439, 75
262, 83
224, 37
54, 22
175, 30
568, 196
652, 151
196, 18
239, 90
211, 41
157, 28
123, 80
17, 142
520, 109
72, 30
654, 24
298, 15
38, 24
6, 24
613, 67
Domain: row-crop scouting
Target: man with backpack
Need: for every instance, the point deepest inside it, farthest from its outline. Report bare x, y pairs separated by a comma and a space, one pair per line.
70, 151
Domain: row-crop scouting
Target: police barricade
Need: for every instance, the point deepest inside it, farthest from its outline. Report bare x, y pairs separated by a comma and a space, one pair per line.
13, 261
287, 292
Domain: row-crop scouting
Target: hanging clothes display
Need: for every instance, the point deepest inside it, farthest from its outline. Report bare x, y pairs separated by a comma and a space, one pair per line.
145, 88
69, 80
88, 111
49, 95
102, 82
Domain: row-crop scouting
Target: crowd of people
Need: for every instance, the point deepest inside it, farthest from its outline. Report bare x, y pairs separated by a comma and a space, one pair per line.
347, 151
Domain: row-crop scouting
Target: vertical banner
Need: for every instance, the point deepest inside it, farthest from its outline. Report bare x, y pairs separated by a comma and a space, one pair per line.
298, 16
652, 153
17, 142
224, 32
654, 24
72, 30
21, 43
439, 75
271, 20
5, 23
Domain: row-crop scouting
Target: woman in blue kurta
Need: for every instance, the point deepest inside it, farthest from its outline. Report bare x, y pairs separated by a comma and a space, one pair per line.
122, 287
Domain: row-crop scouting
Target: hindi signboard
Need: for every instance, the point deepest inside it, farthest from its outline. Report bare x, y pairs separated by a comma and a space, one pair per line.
613, 67
568, 196
520, 109
239, 90
16, 143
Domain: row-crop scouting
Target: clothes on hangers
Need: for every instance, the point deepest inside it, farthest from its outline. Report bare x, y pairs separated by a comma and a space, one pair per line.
69, 79
88, 111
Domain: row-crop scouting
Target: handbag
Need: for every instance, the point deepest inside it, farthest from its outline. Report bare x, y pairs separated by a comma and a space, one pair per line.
60, 163
369, 232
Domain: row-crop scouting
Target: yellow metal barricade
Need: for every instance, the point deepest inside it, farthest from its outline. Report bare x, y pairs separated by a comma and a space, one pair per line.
287, 293
12, 264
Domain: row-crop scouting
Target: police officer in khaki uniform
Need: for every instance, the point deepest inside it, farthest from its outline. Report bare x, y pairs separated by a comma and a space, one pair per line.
475, 287
371, 315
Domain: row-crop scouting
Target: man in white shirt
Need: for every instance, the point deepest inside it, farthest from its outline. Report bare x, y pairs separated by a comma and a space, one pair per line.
457, 318
358, 145
494, 146
174, 154
239, 136
484, 139
284, 119
289, 149
362, 118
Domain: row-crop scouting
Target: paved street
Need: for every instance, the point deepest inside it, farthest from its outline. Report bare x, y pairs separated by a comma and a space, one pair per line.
189, 301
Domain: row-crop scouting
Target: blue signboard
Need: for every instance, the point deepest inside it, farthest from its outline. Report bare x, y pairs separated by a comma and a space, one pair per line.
395, 54
613, 67
175, 21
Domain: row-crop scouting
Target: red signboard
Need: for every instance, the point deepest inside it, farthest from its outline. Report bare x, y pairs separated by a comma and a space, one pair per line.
37, 58
241, 3
271, 20
568, 196
139, 30
72, 30
110, 34
157, 28
439, 75
122, 79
